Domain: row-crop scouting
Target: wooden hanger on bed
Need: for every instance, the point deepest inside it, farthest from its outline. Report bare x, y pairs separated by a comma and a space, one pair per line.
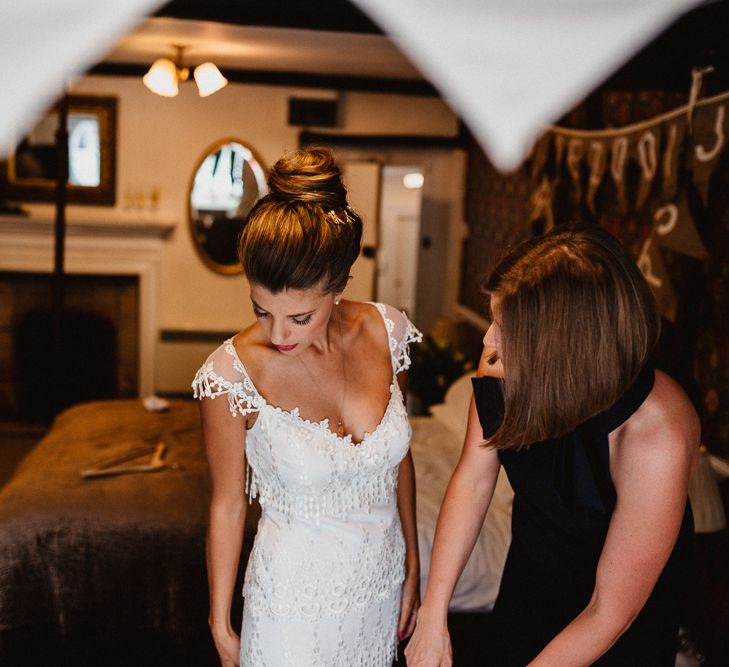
116, 465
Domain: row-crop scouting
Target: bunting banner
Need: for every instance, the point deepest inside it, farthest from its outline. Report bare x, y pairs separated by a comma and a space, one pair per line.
674, 228
709, 140
650, 262
639, 171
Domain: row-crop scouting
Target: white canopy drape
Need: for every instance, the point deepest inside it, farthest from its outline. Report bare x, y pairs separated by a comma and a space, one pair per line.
45, 42
509, 67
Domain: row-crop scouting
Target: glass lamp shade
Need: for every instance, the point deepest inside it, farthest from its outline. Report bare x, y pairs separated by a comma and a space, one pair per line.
209, 80
162, 78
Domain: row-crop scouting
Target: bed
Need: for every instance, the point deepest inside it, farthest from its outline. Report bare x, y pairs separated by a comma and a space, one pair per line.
436, 446
107, 571
111, 570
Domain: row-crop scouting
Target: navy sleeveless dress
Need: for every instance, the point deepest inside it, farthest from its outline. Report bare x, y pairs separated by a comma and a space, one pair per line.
563, 500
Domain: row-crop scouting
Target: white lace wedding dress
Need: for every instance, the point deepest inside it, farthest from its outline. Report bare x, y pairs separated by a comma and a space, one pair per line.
324, 578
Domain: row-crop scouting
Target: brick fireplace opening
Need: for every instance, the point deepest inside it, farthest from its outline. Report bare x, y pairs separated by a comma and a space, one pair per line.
99, 342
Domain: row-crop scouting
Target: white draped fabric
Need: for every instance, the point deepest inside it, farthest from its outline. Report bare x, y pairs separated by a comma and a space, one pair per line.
45, 42
508, 67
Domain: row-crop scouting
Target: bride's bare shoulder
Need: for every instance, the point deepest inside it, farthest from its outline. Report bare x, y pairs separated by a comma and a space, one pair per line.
365, 323
252, 346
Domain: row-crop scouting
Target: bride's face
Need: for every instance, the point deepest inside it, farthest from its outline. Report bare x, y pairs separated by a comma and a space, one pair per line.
292, 319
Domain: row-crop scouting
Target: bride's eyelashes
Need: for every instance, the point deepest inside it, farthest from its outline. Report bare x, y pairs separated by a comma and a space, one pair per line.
300, 322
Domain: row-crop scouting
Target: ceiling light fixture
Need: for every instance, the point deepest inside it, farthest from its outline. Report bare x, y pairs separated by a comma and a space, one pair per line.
164, 75
413, 181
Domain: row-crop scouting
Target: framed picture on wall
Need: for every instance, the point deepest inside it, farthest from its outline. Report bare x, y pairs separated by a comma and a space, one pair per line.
29, 173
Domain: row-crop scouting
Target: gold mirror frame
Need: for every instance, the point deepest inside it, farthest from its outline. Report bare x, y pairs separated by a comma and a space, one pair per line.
104, 109
208, 260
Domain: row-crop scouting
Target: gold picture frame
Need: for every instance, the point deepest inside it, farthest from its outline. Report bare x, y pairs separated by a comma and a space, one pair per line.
28, 174
215, 231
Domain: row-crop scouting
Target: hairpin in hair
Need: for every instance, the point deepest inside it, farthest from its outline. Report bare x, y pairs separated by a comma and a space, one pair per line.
337, 220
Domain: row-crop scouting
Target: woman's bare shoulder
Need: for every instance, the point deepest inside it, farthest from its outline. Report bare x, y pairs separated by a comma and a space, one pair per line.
361, 317
361, 311
668, 404
366, 325
665, 421
252, 347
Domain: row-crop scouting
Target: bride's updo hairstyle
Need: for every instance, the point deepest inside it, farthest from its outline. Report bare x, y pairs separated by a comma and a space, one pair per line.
302, 233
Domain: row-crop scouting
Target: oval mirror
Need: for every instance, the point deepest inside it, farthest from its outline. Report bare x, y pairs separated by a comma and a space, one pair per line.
227, 183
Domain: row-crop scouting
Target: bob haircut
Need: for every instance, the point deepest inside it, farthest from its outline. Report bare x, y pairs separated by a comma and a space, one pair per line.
303, 233
578, 322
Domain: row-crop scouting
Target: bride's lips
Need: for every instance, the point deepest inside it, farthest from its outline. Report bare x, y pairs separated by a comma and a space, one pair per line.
286, 348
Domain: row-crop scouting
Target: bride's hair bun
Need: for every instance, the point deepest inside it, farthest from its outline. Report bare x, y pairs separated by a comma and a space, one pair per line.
302, 234
308, 176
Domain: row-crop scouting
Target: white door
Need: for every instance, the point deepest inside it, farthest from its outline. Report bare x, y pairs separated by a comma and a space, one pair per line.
362, 180
397, 254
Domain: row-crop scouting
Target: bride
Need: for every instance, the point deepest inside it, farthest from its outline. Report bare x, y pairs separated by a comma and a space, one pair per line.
310, 418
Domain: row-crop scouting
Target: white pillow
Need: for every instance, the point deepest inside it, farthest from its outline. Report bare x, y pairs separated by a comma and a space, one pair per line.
453, 413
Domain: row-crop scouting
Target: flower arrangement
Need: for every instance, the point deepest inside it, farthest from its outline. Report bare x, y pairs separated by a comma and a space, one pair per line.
437, 362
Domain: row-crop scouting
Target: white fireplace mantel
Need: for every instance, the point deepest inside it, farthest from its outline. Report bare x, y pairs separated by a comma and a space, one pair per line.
96, 247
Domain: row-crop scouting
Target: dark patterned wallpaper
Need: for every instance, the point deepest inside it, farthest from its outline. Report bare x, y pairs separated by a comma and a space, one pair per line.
496, 214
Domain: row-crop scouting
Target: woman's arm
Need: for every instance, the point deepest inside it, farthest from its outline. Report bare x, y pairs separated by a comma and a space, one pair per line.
652, 456
406, 509
460, 519
224, 436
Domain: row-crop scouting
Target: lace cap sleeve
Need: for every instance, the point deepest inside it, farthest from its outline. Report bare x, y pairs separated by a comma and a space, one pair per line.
224, 374
401, 332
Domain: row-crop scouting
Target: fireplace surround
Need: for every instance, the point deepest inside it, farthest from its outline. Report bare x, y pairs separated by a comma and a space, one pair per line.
94, 248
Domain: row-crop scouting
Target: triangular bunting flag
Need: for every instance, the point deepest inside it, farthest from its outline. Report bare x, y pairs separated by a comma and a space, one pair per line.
541, 204
597, 163
646, 154
653, 269
672, 143
618, 162
709, 139
674, 228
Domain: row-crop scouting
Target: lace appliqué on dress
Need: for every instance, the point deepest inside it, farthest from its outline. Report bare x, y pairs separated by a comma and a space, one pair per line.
399, 341
242, 395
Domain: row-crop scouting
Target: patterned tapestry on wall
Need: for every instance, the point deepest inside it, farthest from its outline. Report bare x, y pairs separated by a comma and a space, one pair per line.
659, 186
496, 214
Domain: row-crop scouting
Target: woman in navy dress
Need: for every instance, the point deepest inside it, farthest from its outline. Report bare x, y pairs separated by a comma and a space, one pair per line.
598, 447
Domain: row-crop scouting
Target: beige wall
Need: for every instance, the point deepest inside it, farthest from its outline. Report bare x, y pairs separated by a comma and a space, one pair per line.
159, 143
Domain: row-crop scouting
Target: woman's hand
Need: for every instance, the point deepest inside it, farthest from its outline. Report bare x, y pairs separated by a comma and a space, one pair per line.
430, 645
227, 643
409, 605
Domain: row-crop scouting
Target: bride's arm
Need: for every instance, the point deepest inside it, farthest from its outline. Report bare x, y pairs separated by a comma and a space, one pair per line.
406, 508
224, 436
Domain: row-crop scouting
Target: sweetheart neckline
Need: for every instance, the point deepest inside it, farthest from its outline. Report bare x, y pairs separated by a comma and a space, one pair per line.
324, 423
